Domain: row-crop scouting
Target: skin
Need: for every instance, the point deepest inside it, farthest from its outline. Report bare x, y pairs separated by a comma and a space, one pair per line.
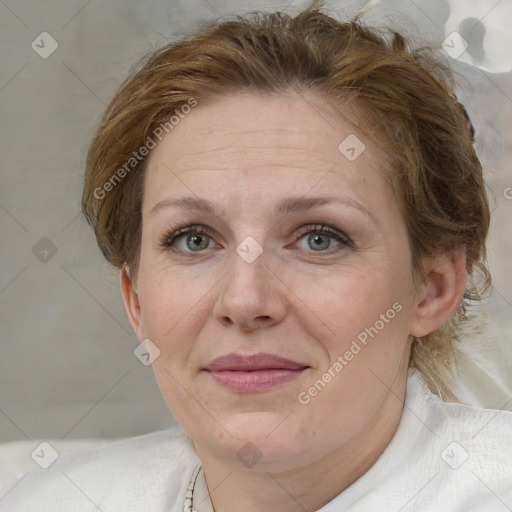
245, 154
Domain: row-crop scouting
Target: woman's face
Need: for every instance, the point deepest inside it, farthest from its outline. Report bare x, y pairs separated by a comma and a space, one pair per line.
326, 314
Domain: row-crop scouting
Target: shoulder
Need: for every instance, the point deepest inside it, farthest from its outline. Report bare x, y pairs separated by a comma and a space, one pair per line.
443, 456
142, 473
479, 428
467, 450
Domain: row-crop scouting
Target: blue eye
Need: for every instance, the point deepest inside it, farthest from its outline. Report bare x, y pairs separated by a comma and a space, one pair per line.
197, 238
319, 238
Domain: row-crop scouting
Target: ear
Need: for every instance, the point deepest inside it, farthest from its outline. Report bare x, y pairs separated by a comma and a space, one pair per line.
131, 302
441, 293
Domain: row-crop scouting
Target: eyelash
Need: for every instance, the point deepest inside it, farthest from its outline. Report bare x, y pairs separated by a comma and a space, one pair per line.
177, 232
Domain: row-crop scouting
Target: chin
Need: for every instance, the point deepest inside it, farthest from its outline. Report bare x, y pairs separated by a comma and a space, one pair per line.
260, 441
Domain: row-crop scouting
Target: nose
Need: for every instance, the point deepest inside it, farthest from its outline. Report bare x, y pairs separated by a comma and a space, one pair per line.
251, 295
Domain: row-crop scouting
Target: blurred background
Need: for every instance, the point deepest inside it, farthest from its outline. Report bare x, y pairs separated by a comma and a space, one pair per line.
67, 367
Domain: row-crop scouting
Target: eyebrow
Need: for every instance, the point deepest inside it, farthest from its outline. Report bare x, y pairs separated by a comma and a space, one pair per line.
289, 205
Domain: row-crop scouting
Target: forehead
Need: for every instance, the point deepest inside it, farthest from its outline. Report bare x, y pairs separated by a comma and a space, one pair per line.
250, 121
248, 141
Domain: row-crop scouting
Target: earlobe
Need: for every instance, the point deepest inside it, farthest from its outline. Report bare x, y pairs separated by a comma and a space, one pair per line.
131, 301
441, 293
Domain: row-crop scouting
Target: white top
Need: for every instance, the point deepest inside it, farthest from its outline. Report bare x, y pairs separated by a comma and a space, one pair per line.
443, 457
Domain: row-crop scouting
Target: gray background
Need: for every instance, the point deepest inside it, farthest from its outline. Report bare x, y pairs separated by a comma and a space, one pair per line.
67, 368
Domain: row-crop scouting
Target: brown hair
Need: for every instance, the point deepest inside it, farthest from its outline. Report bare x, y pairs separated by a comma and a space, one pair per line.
404, 101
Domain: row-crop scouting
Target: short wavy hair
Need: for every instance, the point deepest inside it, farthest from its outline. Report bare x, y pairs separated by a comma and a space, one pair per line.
403, 99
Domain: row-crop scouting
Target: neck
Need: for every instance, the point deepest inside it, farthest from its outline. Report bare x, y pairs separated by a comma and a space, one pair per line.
309, 487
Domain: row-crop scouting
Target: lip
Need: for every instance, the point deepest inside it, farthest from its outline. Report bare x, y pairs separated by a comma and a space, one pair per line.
252, 373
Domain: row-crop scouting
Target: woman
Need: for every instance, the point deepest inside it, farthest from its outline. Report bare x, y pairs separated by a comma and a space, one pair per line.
299, 219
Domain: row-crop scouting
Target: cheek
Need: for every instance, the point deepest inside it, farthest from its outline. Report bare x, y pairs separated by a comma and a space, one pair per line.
340, 306
367, 319
173, 305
